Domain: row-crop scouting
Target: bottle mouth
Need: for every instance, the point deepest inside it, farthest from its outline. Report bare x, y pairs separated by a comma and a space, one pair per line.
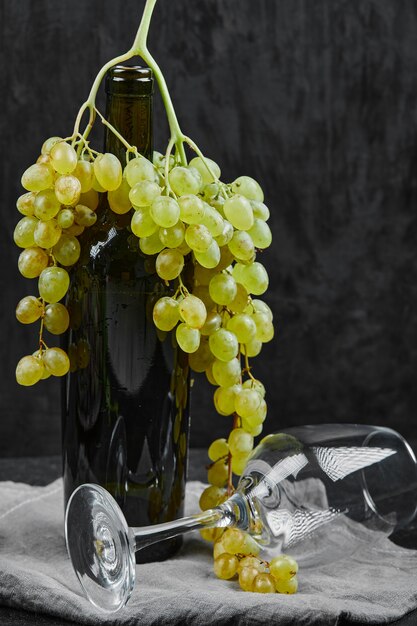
129, 81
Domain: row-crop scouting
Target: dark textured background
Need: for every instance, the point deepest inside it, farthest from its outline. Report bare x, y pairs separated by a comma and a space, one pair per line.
317, 100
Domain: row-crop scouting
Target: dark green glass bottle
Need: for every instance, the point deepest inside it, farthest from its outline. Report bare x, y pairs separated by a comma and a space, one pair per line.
125, 401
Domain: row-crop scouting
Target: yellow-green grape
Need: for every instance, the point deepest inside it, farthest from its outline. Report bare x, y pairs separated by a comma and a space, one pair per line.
252, 561
142, 224
47, 234
243, 327
241, 245
24, 232
68, 189
212, 496
202, 292
222, 288
67, 251
185, 181
108, 171
193, 311
283, 567
261, 234
253, 383
255, 278
227, 373
165, 211
84, 216
250, 422
46, 205
288, 586
119, 199
56, 361
211, 257
237, 272
144, 193
254, 430
25, 203
225, 566
247, 577
210, 191
247, 402
248, 187
213, 221
202, 358
63, 157
212, 323
224, 399
259, 306
226, 259
150, 244
238, 211
217, 473
209, 375
97, 187
263, 583
264, 327
28, 310
218, 449
84, 171
75, 230
203, 275
49, 143
53, 284
226, 234
252, 348
208, 174
32, 261
90, 198
56, 318
139, 169
29, 371
191, 209
224, 344
211, 534
198, 237
218, 547
37, 177
260, 210
240, 301
240, 442
233, 540
166, 313
169, 264
174, 236
188, 338
239, 462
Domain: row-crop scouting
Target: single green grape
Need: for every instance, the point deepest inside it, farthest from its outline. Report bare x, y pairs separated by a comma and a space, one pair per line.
208, 174
84, 216
169, 264
247, 402
255, 278
46, 205
151, 244
32, 261
227, 373
240, 442
84, 171
213, 221
65, 218
263, 583
67, 189
224, 399
139, 169
253, 383
219, 448
90, 198
261, 234
198, 237
142, 224
56, 361
56, 318
212, 496
224, 344
185, 181
248, 187
67, 250
37, 177
212, 323
144, 193
188, 338
223, 288
193, 311
288, 586
29, 309
165, 211
260, 210
108, 171
29, 371
174, 236
283, 567
217, 473
247, 577
24, 231
191, 209
240, 301
241, 245
211, 257
53, 284
49, 143
225, 566
238, 211
202, 358
119, 199
25, 203
166, 313
63, 157
243, 327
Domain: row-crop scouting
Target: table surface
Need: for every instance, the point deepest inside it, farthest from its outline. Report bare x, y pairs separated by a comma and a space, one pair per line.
43, 470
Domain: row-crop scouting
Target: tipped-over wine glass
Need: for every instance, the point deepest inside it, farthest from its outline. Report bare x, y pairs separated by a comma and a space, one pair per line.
331, 484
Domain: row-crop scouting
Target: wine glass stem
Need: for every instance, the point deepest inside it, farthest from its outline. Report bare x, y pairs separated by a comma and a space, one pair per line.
221, 516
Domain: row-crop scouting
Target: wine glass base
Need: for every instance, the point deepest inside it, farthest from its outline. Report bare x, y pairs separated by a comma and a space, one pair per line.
100, 546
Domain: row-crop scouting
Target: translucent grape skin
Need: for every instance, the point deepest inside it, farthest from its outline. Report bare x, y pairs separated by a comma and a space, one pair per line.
53, 284
32, 261
29, 371
188, 338
193, 311
108, 171
28, 310
166, 313
56, 318
169, 264
56, 361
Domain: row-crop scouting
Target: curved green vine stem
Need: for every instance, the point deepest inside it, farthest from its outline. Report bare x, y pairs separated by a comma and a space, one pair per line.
140, 49
127, 145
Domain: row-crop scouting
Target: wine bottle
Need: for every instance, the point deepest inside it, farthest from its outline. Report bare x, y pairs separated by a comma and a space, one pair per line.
125, 400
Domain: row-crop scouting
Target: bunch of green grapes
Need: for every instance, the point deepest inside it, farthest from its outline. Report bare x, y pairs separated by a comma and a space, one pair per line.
236, 556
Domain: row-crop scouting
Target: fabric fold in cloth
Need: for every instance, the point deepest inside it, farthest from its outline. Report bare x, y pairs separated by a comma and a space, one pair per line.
378, 584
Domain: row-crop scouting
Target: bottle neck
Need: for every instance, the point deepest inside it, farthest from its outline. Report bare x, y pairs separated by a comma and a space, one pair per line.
131, 115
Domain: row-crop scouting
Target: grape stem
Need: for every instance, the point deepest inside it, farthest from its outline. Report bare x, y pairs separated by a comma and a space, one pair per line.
139, 48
